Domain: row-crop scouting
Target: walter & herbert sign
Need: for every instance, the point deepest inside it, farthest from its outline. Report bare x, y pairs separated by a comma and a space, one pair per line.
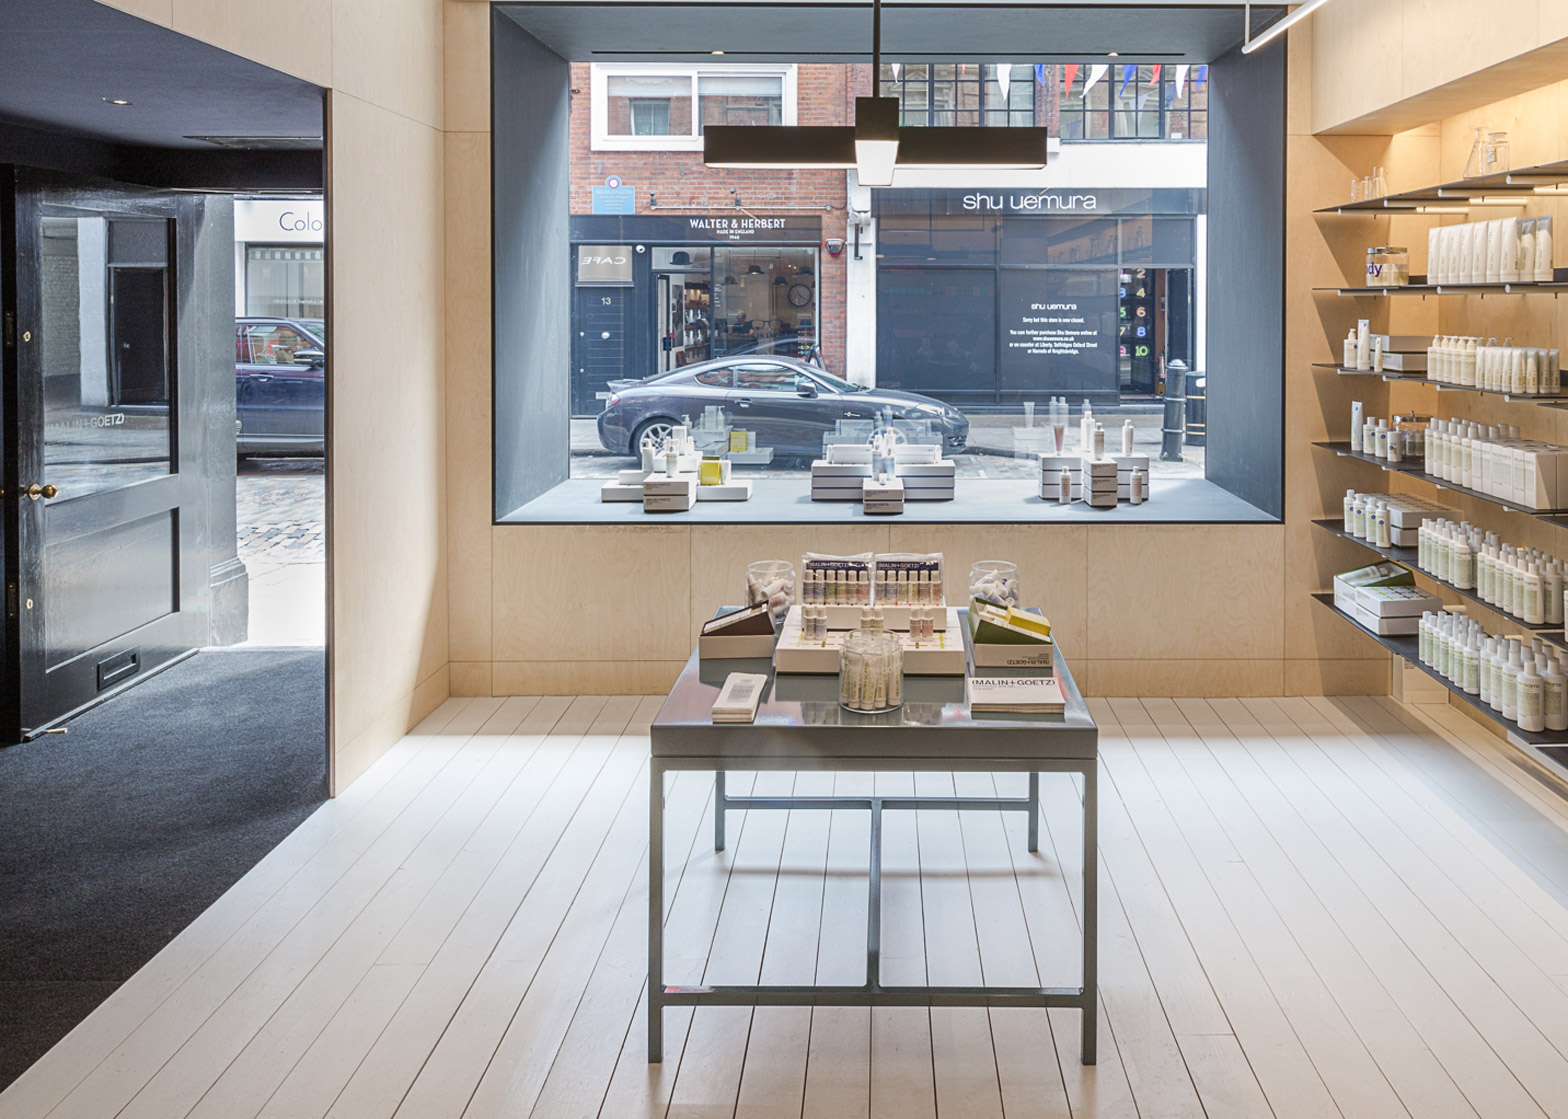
696, 229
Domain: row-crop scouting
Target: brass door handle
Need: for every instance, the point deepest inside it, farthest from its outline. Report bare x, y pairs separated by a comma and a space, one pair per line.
35, 491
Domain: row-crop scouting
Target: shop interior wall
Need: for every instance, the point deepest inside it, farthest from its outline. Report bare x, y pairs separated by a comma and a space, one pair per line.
1141, 610
533, 278
383, 64
1246, 195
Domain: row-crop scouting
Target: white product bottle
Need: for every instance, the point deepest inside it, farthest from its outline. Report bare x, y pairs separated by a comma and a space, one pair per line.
1530, 599
1350, 501
1086, 429
1099, 441
1544, 273
1463, 572
1494, 251
1511, 668
1470, 673
1348, 359
1510, 254
1127, 433
1369, 437
1135, 487
1483, 671
1064, 492
1529, 699
1396, 444
1554, 695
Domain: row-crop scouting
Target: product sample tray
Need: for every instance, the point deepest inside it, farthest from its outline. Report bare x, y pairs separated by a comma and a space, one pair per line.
894, 617
941, 656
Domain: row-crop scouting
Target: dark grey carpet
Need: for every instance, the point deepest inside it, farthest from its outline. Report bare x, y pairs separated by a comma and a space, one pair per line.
116, 835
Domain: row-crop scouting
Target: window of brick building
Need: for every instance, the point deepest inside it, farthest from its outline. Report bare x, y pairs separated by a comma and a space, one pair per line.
664, 108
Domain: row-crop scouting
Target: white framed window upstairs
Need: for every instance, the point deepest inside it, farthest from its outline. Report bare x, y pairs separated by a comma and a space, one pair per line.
649, 107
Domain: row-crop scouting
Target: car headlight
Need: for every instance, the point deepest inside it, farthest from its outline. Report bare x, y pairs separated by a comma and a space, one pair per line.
930, 409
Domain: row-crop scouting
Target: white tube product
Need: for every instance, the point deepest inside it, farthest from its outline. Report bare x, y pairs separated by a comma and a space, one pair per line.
1544, 264
1510, 253
1433, 253
1494, 251
1358, 417
1363, 344
1478, 252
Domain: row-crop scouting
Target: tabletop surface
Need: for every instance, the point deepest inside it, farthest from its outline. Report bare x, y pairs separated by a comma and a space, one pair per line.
800, 718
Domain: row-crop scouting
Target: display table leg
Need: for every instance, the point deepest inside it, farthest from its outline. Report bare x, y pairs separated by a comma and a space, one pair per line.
1034, 812
1091, 909
656, 914
718, 810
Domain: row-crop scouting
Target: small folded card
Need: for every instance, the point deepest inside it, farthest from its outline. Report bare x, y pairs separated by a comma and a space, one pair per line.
752, 621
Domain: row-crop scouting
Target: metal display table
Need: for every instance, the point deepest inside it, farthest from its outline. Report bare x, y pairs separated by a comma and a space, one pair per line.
800, 726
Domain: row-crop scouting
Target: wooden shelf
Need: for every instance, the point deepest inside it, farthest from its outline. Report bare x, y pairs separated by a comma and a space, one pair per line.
1521, 181
1406, 557
1415, 469
1410, 649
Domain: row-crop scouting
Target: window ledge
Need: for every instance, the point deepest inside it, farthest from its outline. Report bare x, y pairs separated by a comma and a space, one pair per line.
989, 501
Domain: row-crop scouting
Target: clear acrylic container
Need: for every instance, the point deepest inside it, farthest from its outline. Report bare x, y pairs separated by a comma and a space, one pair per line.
871, 672
771, 581
994, 581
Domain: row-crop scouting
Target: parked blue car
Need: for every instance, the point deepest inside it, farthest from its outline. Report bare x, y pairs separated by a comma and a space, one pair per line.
790, 404
280, 373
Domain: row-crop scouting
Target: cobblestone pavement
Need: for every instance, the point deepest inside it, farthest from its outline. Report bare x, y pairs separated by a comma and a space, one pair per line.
282, 509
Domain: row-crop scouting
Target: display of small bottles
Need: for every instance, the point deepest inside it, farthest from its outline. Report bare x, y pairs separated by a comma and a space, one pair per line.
1500, 251
1372, 436
909, 587
1524, 582
836, 587
1525, 684
1483, 364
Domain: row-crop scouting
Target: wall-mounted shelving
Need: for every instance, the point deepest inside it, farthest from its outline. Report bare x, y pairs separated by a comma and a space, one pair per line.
1410, 649
1553, 400
1415, 468
1409, 202
1406, 557
1555, 286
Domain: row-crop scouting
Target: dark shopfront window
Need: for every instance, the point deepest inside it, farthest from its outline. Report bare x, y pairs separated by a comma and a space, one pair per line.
992, 311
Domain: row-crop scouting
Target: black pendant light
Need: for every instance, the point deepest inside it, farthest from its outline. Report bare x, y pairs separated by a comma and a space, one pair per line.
875, 145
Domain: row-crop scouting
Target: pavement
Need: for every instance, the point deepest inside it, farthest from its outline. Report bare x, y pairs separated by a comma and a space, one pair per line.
281, 513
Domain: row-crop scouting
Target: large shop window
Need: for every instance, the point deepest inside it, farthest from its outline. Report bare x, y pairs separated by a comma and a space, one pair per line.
779, 314
664, 108
285, 281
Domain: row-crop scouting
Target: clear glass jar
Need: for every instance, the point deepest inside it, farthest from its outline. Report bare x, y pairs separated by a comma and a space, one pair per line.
1388, 266
994, 581
871, 671
771, 581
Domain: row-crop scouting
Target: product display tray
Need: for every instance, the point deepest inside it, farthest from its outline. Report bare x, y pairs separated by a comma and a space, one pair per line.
942, 656
848, 617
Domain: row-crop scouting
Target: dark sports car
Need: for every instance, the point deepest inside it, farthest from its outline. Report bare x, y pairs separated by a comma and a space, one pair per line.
788, 403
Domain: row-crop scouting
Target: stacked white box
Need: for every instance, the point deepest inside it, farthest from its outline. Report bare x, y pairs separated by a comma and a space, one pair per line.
663, 493
927, 481
617, 491
732, 490
882, 495
1110, 477
838, 481
1100, 482
1051, 467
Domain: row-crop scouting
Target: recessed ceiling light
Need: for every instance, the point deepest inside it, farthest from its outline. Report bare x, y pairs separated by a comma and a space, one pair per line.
1113, 54
715, 52
116, 101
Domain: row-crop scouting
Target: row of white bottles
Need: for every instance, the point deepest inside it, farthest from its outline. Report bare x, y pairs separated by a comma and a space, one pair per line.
1456, 449
1526, 685
1526, 583
1375, 437
1366, 518
1462, 360
1503, 250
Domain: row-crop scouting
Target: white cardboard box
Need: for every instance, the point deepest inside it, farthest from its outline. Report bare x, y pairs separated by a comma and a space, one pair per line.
615, 491
1016, 656
711, 647
729, 491
882, 496
664, 494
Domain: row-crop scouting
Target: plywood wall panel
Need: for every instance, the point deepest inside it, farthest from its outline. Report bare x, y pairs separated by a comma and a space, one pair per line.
389, 52
294, 36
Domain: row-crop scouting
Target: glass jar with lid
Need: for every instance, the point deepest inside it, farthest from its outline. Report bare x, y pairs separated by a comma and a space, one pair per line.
1388, 266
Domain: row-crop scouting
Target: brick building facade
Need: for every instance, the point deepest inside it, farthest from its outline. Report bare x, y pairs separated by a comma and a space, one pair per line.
675, 183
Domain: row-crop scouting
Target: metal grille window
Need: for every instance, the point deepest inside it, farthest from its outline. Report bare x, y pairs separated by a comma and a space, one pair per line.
966, 94
1126, 101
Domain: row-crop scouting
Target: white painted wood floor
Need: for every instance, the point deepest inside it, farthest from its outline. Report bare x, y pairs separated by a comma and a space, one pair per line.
1309, 908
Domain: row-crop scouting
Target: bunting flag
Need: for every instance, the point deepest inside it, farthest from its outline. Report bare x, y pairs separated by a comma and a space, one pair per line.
1128, 73
897, 66
1004, 78
1069, 71
1200, 75
1096, 72
1154, 72
1181, 81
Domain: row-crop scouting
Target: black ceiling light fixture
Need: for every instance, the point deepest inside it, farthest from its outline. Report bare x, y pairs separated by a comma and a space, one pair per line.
875, 145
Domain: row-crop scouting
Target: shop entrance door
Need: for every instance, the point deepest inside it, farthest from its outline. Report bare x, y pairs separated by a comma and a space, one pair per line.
96, 594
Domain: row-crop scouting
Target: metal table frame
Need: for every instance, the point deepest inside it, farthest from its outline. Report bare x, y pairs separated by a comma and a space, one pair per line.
873, 992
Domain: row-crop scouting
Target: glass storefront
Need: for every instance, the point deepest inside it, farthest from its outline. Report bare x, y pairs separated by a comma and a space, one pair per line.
285, 281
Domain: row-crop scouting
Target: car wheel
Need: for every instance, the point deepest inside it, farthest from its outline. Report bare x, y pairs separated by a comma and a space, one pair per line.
653, 432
